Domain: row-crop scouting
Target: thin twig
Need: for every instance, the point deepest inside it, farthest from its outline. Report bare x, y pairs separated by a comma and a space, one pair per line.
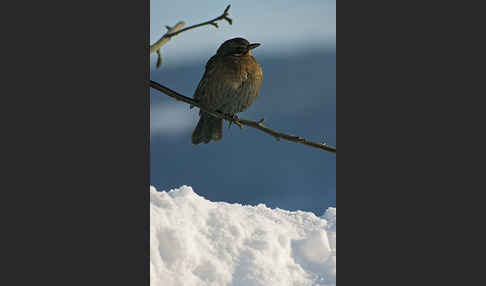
258, 125
223, 16
178, 29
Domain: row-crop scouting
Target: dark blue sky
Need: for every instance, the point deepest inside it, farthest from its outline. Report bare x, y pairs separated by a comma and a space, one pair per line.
298, 96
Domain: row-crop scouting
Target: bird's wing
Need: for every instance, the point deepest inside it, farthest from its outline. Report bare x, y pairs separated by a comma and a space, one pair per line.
220, 81
204, 80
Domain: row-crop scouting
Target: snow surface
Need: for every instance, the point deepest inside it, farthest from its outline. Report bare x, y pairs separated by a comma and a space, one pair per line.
194, 241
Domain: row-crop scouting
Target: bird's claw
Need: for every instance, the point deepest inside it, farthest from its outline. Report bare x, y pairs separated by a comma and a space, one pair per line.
235, 120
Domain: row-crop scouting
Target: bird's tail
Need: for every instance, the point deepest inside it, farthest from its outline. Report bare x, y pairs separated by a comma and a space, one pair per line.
208, 128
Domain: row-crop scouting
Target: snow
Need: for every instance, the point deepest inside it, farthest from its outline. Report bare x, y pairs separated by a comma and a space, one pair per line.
194, 241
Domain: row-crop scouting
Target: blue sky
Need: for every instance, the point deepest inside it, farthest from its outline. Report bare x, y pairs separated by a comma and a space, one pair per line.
280, 25
298, 96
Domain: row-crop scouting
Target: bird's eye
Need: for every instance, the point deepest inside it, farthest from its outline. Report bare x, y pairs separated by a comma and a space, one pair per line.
240, 50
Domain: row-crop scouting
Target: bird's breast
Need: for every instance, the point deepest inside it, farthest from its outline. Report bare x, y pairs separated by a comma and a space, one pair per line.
247, 77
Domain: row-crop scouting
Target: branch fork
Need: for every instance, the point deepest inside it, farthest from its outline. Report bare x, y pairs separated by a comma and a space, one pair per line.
178, 28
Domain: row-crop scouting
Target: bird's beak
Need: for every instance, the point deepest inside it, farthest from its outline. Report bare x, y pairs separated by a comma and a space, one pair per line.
252, 46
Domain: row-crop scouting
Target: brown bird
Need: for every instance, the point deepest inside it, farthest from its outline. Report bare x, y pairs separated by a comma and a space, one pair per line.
230, 84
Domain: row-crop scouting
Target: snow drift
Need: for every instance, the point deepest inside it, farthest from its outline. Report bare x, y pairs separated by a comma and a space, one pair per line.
194, 241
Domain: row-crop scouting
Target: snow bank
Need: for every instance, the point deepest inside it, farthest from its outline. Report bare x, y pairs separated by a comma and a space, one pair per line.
194, 241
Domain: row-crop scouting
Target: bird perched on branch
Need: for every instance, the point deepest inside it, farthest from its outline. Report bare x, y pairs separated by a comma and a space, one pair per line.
230, 84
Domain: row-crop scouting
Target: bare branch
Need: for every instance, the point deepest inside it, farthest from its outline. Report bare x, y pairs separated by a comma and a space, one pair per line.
238, 121
223, 16
177, 29
157, 45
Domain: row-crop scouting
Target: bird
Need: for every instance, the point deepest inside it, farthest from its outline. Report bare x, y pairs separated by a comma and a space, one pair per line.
230, 84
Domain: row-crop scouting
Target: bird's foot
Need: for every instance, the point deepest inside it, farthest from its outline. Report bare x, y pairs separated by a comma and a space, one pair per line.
235, 120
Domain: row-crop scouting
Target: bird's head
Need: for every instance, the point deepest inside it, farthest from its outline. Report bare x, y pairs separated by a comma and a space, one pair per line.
236, 47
